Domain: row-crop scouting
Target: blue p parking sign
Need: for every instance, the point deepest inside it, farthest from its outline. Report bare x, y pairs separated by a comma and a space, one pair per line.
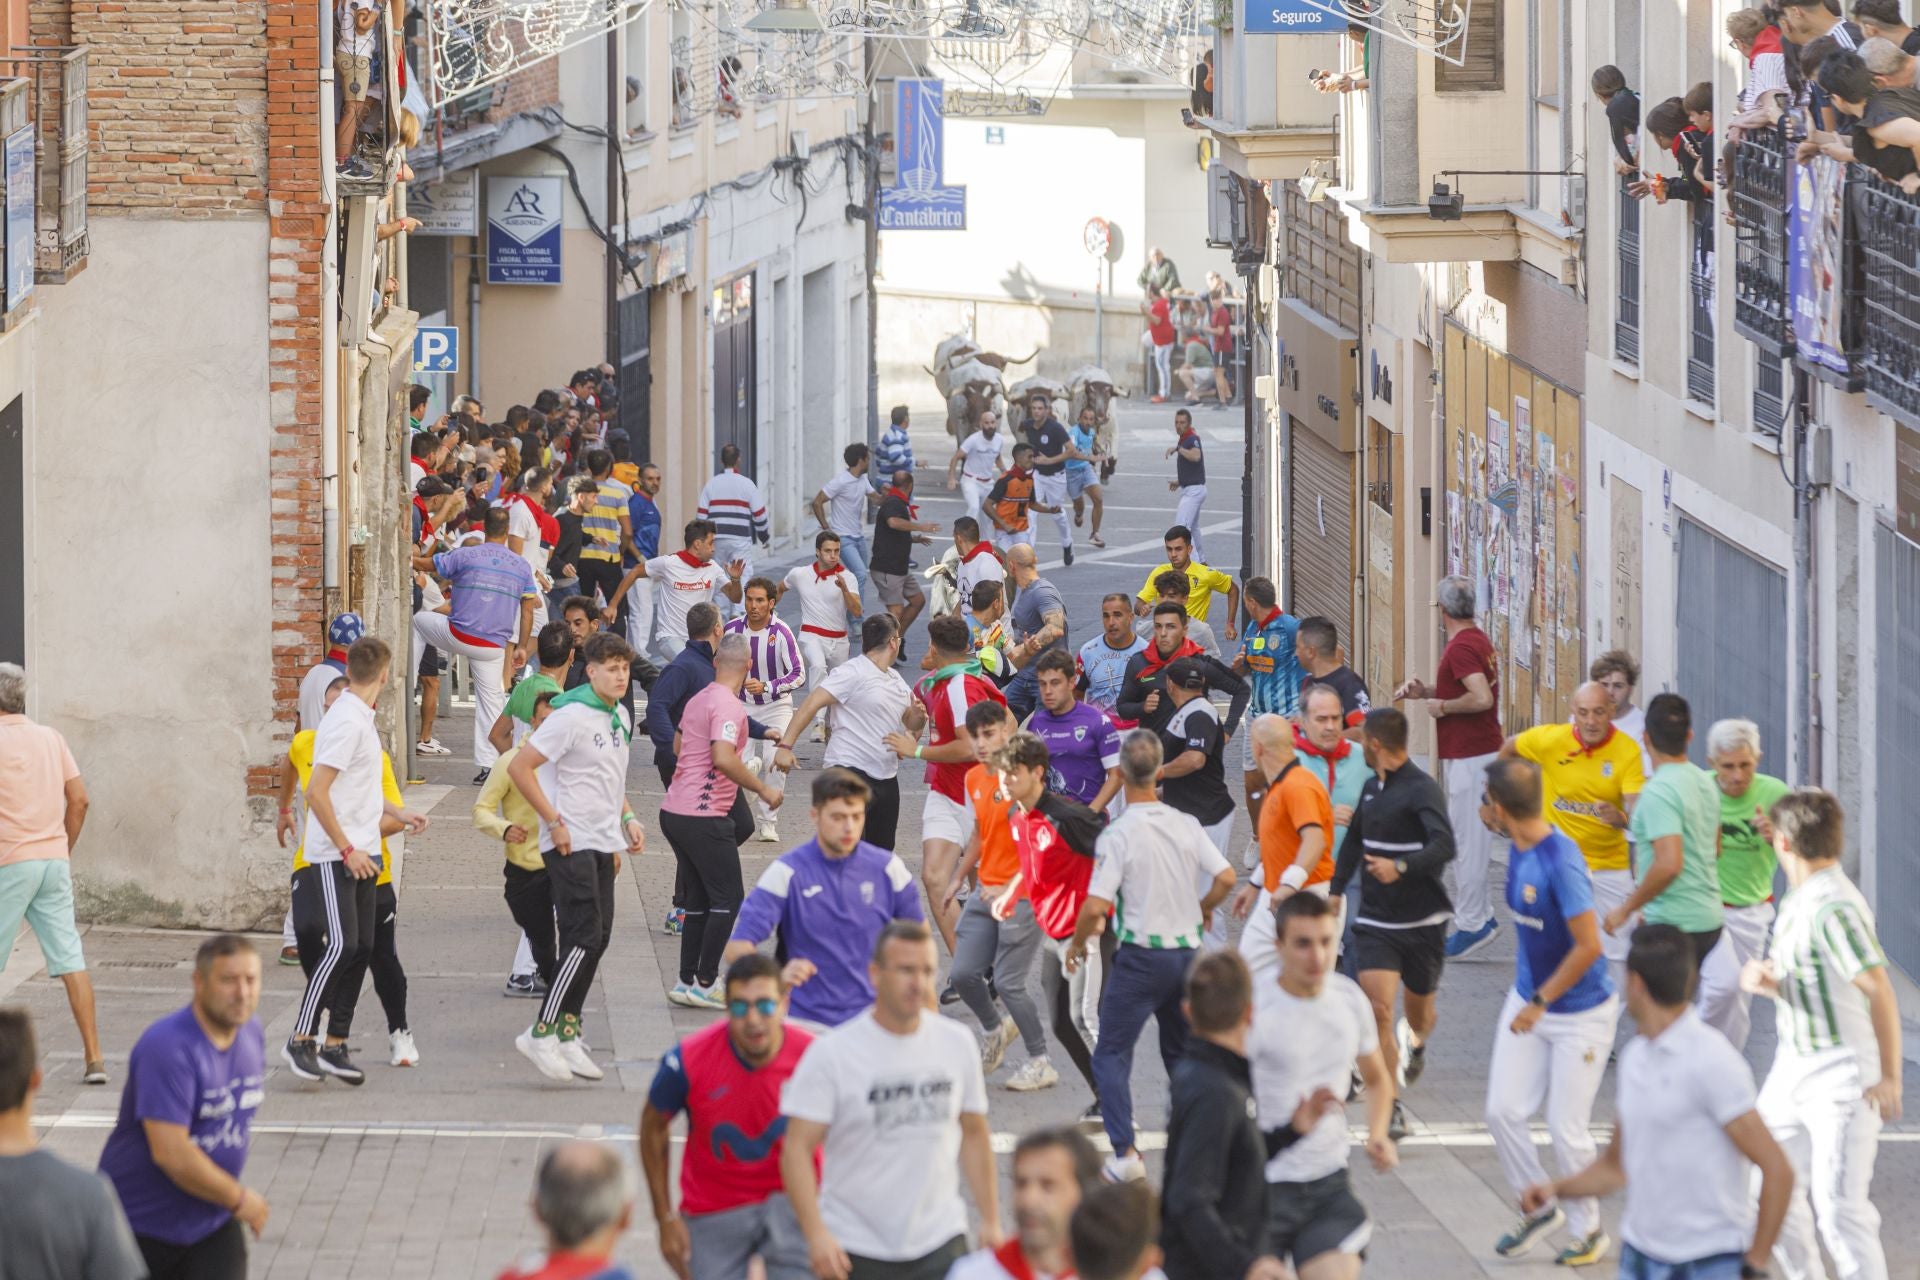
436, 350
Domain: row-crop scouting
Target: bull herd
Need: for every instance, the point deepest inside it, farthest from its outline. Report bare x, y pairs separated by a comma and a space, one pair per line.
972, 380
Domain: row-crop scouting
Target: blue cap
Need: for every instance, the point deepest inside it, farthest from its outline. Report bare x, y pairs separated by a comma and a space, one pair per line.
345, 629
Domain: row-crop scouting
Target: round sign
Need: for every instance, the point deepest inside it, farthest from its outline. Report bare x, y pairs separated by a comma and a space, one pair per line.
1097, 237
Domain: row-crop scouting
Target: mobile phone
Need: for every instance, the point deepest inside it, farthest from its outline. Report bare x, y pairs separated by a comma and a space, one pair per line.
1316, 74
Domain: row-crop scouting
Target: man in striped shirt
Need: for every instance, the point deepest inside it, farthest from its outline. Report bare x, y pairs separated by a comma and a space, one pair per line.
739, 514
774, 671
607, 534
1836, 1073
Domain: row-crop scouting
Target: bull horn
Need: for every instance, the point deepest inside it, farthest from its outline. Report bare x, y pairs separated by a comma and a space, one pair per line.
1123, 393
1026, 359
930, 373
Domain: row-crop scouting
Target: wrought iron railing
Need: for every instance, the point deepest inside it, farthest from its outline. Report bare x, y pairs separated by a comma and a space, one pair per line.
1761, 201
1626, 315
1887, 226
1769, 394
1700, 343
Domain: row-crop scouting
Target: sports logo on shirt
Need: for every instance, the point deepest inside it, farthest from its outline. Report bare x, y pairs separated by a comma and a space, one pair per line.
1528, 894
1606, 768
1079, 733
866, 893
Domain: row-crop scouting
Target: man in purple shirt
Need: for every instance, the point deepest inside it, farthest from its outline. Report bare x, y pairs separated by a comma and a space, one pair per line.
493, 599
1083, 747
829, 899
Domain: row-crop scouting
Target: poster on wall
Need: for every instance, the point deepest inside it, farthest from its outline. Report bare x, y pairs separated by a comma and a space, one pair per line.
523, 230
20, 195
449, 207
1456, 536
1816, 225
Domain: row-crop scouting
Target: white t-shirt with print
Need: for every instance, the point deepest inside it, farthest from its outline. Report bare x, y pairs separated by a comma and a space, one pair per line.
892, 1106
585, 774
1296, 1046
677, 587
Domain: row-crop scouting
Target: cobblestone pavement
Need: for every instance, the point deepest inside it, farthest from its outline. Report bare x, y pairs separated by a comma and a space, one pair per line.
427, 1172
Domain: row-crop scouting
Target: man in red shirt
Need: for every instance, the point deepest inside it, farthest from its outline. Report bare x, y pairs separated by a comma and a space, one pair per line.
1160, 332
727, 1077
1220, 327
1464, 702
582, 1204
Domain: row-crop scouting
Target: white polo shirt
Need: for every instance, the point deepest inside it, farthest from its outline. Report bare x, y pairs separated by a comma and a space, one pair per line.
847, 504
678, 586
1688, 1191
871, 701
1155, 863
585, 774
980, 456
348, 742
823, 610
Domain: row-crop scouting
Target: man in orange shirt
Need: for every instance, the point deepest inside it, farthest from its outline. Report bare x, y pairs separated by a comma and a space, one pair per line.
1295, 840
982, 944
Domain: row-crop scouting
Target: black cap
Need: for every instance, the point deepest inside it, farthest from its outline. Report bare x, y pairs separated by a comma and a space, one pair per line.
1185, 673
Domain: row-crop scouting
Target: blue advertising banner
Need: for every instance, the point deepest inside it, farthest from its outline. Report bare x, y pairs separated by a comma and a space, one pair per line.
1290, 18
523, 230
918, 200
1815, 238
20, 197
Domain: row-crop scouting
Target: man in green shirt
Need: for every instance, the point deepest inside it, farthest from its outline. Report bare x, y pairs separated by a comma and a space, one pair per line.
1676, 854
554, 647
1747, 861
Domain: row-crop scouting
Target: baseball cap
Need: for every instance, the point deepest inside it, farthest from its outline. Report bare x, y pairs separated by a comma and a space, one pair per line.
345, 629
1184, 673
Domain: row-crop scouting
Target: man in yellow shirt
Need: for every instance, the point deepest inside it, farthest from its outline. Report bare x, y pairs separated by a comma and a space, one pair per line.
1591, 773
389, 978
1204, 583
503, 813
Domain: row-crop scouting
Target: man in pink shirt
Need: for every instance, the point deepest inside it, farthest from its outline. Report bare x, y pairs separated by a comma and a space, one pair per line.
708, 774
43, 802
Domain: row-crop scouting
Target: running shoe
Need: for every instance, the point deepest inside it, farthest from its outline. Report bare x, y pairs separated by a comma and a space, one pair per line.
96, 1073
713, 997
949, 994
1413, 1058
524, 985
542, 1049
1156, 399
432, 747
289, 955
1584, 1253
769, 833
993, 1045
1528, 1231
1034, 1075
1124, 1169
1066, 554
335, 1061
1462, 943
574, 1053
480, 778
302, 1059
1091, 1118
404, 1052
1397, 1126
676, 920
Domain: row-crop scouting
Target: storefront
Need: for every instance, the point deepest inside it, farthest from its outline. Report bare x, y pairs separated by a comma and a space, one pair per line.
1315, 391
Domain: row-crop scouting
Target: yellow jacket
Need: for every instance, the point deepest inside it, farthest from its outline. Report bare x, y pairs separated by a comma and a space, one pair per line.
500, 797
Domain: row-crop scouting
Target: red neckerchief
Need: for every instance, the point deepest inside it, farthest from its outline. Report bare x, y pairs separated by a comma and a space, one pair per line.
1580, 748
1333, 757
426, 521
913, 512
1768, 41
339, 656
1187, 649
979, 549
1018, 473
549, 527
693, 559
819, 576
1267, 621
1014, 1262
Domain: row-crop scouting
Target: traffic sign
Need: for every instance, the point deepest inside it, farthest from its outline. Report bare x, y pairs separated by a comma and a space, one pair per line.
436, 350
1098, 236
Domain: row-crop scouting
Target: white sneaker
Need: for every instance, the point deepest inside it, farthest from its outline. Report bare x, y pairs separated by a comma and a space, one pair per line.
713, 997
404, 1053
1034, 1074
1124, 1169
769, 833
544, 1053
993, 1045
432, 747
579, 1061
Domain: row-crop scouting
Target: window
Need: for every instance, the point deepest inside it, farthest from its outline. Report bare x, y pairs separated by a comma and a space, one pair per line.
1482, 68
634, 71
1626, 312
1546, 51
1700, 307
680, 52
1769, 394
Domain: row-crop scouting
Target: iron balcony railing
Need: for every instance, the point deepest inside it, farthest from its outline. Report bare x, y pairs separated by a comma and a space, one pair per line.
1769, 394
1886, 226
1700, 281
1761, 200
1626, 316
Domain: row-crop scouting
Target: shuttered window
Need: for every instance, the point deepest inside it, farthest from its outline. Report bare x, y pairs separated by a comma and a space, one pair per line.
1320, 532
1483, 68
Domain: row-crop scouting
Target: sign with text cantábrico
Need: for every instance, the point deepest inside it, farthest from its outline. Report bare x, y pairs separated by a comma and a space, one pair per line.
919, 200
523, 230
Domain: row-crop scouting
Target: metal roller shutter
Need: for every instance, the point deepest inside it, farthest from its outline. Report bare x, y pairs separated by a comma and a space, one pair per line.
1733, 640
1320, 531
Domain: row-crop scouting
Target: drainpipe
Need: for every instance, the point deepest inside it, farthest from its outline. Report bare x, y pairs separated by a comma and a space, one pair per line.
616, 98
871, 150
476, 265
329, 323
1805, 680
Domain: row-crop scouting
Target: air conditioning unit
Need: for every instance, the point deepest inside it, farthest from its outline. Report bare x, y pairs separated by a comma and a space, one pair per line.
797, 144
1573, 199
1226, 207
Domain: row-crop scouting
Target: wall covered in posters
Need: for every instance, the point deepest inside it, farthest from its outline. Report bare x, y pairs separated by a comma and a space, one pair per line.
1512, 520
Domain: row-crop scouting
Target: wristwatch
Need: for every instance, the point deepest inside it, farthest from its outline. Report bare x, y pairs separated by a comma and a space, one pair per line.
1750, 1272
1400, 865
1538, 1000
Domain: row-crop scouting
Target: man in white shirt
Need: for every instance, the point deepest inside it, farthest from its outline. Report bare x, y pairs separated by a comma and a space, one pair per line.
1312, 1028
977, 462
829, 594
897, 1102
739, 514
867, 698
1686, 1136
345, 807
774, 671
681, 581
1052, 1170
841, 507
979, 562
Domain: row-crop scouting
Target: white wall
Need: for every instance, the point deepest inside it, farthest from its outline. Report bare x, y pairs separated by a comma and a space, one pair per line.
149, 628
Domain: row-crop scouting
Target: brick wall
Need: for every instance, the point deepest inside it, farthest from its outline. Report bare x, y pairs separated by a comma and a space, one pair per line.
536, 87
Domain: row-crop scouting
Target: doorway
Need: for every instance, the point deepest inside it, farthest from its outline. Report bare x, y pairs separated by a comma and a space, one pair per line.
734, 375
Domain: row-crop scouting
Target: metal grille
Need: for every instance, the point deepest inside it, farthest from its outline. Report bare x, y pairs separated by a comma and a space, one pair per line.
1759, 200
1700, 307
1733, 628
636, 374
1897, 743
1769, 394
1626, 315
1889, 225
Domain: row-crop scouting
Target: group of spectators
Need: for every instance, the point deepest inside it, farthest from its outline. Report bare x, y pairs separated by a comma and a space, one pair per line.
1200, 326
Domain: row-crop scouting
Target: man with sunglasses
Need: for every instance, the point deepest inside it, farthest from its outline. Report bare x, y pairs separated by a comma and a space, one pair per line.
727, 1078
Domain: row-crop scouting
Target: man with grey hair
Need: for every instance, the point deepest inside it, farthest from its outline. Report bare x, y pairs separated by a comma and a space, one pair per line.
1891, 66
43, 803
1747, 860
583, 1200
1464, 701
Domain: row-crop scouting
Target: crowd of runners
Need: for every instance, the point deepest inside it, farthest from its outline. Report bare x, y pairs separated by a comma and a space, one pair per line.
1085, 864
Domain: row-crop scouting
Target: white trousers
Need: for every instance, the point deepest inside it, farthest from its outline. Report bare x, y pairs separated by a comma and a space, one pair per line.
1746, 931
975, 493
640, 616
1188, 514
1021, 538
1472, 868
1718, 994
1218, 928
725, 552
1557, 1065
776, 715
1814, 1109
1051, 491
821, 654
1610, 889
487, 666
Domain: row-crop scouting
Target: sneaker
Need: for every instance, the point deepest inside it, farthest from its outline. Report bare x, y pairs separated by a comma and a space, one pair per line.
819, 733
335, 1061
1124, 1169
432, 747
405, 1053
1034, 1075
1397, 1126
1091, 1118
574, 1053
769, 833
1356, 1086
96, 1073
480, 778
1584, 1253
1527, 1232
525, 985
289, 955
713, 997
1066, 554
1156, 399
993, 1046
1413, 1058
676, 920
1461, 943
542, 1049
949, 994
302, 1059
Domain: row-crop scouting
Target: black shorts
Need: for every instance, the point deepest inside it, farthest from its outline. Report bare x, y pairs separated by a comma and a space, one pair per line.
1417, 954
1307, 1219
432, 661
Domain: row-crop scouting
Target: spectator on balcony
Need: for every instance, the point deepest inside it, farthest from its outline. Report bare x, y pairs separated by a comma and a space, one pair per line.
361, 56
727, 90
1892, 67
1669, 130
1881, 19
1351, 78
1888, 119
1817, 32
1758, 41
1200, 101
1159, 273
1623, 116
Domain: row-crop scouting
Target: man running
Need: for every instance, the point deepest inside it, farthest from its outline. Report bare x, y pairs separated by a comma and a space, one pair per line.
1401, 834
1012, 500
1747, 860
732, 502
1269, 664
896, 527
683, 580
493, 599
1293, 840
1311, 1030
1464, 703
1321, 743
607, 531
1617, 673
727, 1078
1140, 702
1835, 1080
503, 813
1194, 778
774, 671
1052, 448
1551, 1040
1052, 1170
1103, 659
896, 1104
1687, 1140
1082, 744
1039, 618
1083, 481
1174, 587
341, 633
829, 595
573, 771
1317, 646
1189, 480
1203, 583
829, 899
1151, 863
977, 464
979, 562
868, 702
841, 508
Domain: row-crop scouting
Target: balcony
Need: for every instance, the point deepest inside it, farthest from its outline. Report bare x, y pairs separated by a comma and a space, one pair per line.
1889, 222
59, 80
1269, 121
1760, 201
